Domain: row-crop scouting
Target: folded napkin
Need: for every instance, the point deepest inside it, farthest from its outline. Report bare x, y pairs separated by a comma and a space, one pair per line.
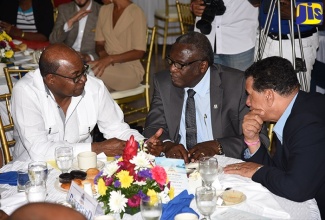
11, 203
9, 178
180, 204
259, 200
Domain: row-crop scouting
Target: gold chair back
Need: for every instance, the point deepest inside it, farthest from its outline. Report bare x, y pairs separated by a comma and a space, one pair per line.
6, 144
125, 102
185, 16
270, 134
166, 16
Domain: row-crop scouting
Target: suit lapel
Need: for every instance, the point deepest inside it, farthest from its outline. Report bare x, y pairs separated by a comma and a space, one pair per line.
216, 94
176, 98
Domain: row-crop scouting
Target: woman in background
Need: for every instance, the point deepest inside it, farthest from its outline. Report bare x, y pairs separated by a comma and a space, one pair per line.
27, 19
120, 44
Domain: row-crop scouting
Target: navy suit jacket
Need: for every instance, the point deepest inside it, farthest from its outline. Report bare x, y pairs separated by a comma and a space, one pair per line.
296, 171
228, 107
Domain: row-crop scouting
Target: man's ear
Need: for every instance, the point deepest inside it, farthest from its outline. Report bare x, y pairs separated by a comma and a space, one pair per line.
204, 66
269, 96
48, 79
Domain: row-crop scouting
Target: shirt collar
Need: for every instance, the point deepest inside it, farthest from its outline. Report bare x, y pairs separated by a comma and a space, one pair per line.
203, 86
279, 126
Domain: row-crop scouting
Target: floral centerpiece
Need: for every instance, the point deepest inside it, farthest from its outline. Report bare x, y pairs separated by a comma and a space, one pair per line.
6, 46
124, 182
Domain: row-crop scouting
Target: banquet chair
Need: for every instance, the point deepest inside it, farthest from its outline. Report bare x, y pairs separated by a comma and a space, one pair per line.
124, 98
270, 135
4, 128
167, 16
185, 17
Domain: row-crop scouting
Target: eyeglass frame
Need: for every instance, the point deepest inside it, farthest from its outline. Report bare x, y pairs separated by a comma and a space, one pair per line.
77, 78
170, 62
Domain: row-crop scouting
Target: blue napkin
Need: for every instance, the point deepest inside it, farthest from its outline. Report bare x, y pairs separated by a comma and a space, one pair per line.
180, 204
9, 178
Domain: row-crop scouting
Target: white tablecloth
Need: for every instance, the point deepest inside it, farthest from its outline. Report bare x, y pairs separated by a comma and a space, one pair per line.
303, 210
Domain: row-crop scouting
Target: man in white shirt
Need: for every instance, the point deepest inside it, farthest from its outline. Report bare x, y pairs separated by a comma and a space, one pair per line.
75, 26
60, 104
233, 34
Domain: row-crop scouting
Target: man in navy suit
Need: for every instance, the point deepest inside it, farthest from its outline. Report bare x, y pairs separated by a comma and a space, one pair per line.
296, 171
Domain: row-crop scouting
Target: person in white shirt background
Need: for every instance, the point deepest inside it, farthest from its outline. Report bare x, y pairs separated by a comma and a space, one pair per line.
233, 32
75, 26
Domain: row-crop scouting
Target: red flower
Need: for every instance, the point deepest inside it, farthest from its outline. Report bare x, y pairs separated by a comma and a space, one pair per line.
131, 149
159, 174
134, 201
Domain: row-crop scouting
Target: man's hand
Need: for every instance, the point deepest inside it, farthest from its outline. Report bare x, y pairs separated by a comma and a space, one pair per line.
285, 10
198, 7
111, 147
204, 149
154, 145
255, 3
173, 150
246, 169
252, 124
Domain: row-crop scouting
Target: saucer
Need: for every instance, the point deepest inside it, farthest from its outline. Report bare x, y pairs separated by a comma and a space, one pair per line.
100, 165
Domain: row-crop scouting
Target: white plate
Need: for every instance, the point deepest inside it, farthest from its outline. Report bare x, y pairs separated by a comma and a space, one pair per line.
100, 165
57, 186
241, 198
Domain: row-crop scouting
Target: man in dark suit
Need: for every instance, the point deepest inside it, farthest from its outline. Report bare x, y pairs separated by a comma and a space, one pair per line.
296, 171
219, 103
75, 26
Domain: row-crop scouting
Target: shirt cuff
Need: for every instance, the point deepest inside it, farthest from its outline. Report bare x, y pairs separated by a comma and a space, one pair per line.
65, 27
247, 154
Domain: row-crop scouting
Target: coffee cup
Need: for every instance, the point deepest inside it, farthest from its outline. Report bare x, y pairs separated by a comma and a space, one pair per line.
87, 160
186, 216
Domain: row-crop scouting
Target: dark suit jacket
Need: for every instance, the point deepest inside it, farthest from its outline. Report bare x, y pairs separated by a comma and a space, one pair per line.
227, 98
42, 9
297, 169
66, 11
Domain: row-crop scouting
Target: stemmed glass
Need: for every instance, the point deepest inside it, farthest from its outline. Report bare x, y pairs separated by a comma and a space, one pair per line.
64, 158
208, 169
151, 208
206, 201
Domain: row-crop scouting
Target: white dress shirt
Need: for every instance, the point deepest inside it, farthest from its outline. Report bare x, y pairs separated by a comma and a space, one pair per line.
235, 31
40, 125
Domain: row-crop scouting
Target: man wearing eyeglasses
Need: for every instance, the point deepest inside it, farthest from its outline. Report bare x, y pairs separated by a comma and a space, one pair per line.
60, 104
219, 103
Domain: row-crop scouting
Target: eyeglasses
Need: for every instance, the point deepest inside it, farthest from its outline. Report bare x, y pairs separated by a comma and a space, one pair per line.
177, 64
76, 79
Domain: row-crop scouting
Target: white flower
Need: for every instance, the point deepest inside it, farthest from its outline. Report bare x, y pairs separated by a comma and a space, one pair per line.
140, 183
111, 168
164, 196
117, 202
141, 160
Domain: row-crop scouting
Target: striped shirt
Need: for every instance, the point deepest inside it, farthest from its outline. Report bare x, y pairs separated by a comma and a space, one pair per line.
25, 20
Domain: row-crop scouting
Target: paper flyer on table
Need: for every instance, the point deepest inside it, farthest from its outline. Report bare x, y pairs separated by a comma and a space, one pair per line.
176, 172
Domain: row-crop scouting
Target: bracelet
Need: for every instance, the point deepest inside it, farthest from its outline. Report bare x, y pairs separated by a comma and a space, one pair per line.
22, 34
252, 143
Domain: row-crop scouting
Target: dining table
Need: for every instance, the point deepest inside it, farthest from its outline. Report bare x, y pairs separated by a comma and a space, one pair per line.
259, 203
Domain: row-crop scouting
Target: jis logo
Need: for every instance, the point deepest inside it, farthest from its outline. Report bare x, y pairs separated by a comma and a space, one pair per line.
309, 13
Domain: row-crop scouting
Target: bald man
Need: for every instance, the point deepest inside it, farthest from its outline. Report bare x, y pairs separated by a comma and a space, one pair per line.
59, 104
45, 211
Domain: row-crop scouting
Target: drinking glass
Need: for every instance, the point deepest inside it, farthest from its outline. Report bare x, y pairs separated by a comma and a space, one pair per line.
35, 191
151, 208
64, 158
208, 169
206, 201
37, 171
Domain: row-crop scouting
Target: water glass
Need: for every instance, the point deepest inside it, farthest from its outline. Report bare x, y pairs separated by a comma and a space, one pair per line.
35, 191
22, 179
208, 169
206, 201
151, 208
37, 171
64, 158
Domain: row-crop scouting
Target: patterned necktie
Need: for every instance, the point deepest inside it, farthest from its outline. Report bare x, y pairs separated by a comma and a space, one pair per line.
190, 120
